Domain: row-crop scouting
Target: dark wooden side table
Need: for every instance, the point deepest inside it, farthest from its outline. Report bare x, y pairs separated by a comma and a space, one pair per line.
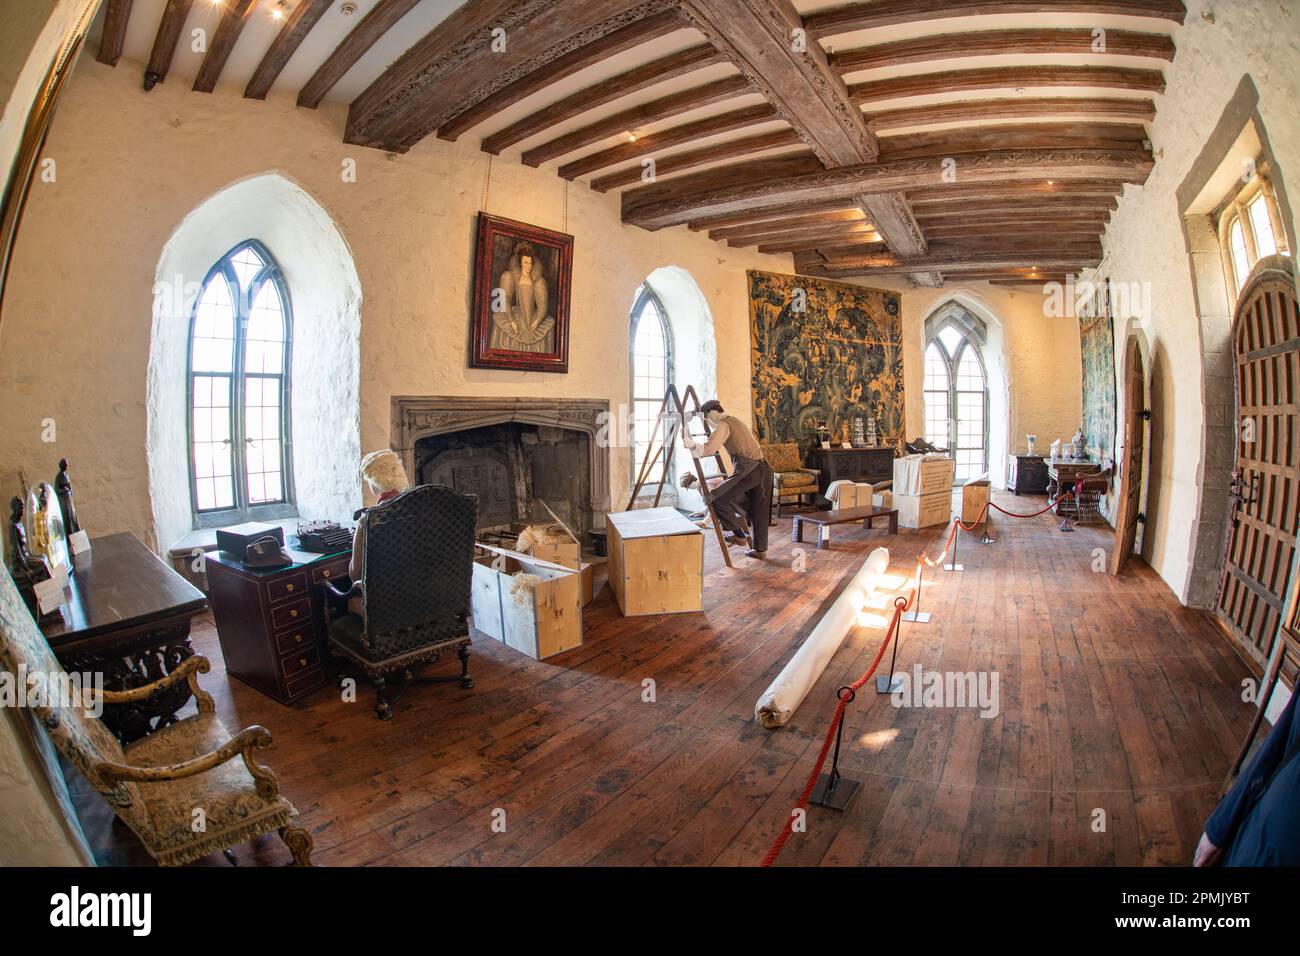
1028, 474
271, 621
873, 465
128, 617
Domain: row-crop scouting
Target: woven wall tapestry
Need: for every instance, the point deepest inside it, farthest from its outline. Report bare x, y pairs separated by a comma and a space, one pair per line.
823, 352
1097, 345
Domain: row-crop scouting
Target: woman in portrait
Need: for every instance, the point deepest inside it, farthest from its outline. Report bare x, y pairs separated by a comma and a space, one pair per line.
520, 322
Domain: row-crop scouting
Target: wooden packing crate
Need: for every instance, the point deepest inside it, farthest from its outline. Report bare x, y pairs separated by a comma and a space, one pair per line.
656, 562
923, 511
917, 475
974, 495
541, 621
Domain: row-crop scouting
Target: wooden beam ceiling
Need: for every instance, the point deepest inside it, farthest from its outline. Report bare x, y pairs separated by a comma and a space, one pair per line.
164, 44
981, 139
758, 36
481, 48
711, 194
624, 84
967, 112
365, 35
1004, 77
882, 264
951, 46
729, 150
117, 13
295, 29
612, 44
880, 13
222, 44
628, 121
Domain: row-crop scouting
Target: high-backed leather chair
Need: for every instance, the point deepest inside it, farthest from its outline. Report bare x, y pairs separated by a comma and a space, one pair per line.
155, 784
418, 559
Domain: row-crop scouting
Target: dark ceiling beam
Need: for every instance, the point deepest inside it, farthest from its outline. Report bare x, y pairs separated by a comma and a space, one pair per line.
771, 213
222, 43
1027, 191
296, 26
354, 46
164, 43
455, 66
979, 139
602, 49
759, 36
678, 162
1028, 227
1006, 78
775, 226
629, 120
117, 13
673, 136
882, 264
864, 239
848, 230
879, 13
729, 190
950, 46
967, 112
631, 81
964, 209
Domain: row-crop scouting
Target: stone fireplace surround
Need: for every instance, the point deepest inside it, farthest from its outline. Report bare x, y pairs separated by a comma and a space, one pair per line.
415, 417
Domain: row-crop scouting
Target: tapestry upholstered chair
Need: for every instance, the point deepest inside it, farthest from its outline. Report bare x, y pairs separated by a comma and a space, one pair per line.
158, 782
418, 559
790, 478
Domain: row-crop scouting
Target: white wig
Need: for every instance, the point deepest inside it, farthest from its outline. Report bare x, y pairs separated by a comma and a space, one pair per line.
383, 472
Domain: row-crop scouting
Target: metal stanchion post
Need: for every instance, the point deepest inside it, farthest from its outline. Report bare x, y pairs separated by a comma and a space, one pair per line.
834, 790
953, 565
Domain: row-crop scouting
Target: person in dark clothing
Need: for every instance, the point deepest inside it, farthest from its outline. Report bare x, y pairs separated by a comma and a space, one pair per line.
748, 490
1257, 823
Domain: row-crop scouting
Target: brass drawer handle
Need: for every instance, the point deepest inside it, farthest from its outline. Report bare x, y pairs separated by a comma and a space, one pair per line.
293, 613
298, 638
289, 588
325, 573
302, 662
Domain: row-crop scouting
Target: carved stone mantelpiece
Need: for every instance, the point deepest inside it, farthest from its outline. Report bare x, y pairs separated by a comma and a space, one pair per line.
419, 416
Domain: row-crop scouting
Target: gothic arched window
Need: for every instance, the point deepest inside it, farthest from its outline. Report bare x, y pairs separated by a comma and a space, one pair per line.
652, 371
957, 399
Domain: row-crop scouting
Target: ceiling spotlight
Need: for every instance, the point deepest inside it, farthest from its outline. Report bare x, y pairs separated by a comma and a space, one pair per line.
631, 136
348, 9
278, 12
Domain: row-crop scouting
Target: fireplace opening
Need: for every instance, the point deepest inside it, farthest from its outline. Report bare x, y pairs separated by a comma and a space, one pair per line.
512, 467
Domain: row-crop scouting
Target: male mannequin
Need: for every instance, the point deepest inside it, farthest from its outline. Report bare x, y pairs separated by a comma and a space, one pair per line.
749, 489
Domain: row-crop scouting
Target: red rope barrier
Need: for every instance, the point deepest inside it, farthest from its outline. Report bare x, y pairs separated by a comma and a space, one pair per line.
901, 605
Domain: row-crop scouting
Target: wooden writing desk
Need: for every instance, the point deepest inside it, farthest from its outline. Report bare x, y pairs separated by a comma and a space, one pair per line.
128, 617
271, 621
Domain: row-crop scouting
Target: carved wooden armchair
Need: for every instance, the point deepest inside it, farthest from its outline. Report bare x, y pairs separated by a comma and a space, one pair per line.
180, 789
790, 479
419, 557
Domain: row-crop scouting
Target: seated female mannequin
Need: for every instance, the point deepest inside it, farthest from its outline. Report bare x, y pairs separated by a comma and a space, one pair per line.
386, 479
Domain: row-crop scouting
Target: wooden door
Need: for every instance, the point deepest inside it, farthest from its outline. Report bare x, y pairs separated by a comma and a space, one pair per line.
1130, 464
1266, 483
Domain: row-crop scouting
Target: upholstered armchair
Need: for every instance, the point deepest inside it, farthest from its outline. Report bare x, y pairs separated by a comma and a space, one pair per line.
418, 553
790, 478
162, 785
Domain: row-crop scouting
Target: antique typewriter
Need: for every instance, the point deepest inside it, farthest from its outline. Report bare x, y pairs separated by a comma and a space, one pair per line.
324, 537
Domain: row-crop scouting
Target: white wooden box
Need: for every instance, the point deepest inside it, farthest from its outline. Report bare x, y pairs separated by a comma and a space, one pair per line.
923, 511
656, 561
918, 475
540, 621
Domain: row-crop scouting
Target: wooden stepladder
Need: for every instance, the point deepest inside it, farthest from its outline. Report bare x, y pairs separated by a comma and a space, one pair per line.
672, 422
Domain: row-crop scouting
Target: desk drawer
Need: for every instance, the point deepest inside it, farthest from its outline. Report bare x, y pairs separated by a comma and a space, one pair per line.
290, 614
331, 570
299, 661
304, 681
291, 586
299, 638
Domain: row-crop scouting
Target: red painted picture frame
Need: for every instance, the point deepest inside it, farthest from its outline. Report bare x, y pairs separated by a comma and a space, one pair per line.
523, 278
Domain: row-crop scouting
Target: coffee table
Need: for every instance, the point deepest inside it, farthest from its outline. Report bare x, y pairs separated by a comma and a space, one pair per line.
824, 519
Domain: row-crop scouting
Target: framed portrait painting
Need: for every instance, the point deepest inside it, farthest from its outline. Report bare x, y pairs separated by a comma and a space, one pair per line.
520, 306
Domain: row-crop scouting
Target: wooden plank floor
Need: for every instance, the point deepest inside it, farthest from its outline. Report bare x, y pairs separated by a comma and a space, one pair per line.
1119, 713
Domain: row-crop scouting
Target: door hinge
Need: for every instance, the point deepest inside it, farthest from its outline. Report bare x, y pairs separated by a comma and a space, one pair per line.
1142, 518
1146, 414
